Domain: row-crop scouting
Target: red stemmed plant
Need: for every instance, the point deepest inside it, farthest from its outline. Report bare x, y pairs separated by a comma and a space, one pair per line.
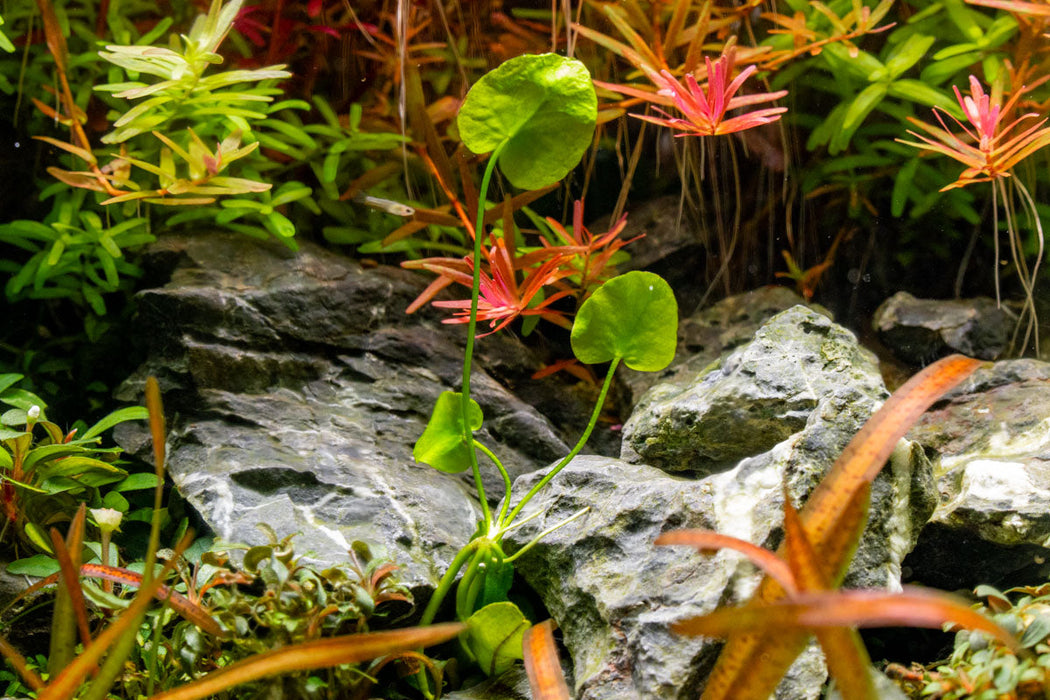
501, 298
705, 110
592, 252
797, 597
990, 148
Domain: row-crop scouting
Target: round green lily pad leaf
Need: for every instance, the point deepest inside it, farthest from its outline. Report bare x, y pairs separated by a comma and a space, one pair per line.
633, 317
443, 444
543, 106
494, 636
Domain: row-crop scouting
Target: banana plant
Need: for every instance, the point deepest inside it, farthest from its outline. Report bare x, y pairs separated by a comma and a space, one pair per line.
536, 116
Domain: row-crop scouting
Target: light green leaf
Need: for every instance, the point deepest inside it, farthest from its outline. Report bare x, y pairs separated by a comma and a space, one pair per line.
633, 317
45, 453
37, 537
37, 566
13, 417
863, 65
77, 466
902, 186
919, 91
1036, 631
908, 54
857, 111
544, 108
136, 482
442, 444
57, 248
20, 398
8, 380
494, 636
118, 416
280, 225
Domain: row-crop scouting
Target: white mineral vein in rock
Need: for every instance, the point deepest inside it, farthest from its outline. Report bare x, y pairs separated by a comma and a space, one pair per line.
1009, 441
218, 490
410, 524
997, 481
334, 535
900, 538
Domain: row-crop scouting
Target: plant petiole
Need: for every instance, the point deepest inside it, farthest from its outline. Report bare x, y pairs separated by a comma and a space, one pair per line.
543, 534
506, 479
575, 450
468, 353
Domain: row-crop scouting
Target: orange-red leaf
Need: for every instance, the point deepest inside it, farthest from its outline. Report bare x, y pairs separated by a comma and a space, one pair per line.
705, 540
541, 663
179, 603
802, 560
69, 681
913, 607
751, 664
869, 449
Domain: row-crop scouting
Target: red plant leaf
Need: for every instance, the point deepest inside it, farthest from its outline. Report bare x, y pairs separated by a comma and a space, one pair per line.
825, 516
541, 663
706, 540
808, 612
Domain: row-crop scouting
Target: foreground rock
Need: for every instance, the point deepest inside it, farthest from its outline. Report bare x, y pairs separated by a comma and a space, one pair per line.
993, 522
721, 467
296, 387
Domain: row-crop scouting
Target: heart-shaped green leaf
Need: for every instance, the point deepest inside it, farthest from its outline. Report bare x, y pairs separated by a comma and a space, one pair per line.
633, 317
543, 107
494, 636
442, 443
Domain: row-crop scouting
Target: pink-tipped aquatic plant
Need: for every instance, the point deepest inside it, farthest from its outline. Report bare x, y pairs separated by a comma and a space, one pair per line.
990, 148
704, 110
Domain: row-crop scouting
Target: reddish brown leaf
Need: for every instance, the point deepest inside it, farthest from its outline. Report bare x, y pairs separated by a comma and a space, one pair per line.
707, 541
751, 664
66, 684
541, 663
179, 603
807, 612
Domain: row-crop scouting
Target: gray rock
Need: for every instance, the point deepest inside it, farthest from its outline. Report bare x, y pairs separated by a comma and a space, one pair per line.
296, 386
707, 334
993, 472
921, 330
755, 398
615, 595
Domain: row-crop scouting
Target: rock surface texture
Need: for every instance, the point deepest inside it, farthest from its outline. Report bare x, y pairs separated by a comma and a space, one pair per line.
921, 330
993, 473
713, 453
705, 335
296, 387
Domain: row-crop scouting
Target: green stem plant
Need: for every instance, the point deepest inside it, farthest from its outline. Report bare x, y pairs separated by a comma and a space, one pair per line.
535, 115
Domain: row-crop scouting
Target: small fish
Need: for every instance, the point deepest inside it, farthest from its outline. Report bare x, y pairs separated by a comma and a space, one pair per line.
387, 205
